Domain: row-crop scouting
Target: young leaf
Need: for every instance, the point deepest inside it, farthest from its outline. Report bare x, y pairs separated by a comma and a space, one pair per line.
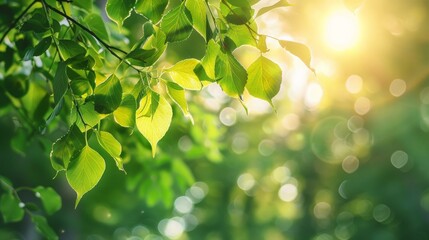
232, 76
66, 147
10, 209
108, 95
209, 60
118, 11
43, 227
84, 171
125, 114
155, 41
281, 3
241, 35
177, 24
299, 50
51, 201
265, 78
153, 118
60, 83
112, 147
151, 9
177, 94
183, 74
198, 11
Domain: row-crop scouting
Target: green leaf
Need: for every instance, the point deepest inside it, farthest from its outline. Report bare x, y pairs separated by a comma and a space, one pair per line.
66, 147
299, 50
60, 82
177, 94
112, 147
153, 118
155, 41
139, 57
42, 46
10, 209
108, 95
81, 87
125, 114
84, 171
239, 14
177, 24
37, 23
69, 49
89, 114
51, 201
262, 43
198, 11
265, 78
96, 24
182, 170
281, 3
183, 74
84, 4
232, 76
43, 227
241, 35
209, 60
151, 9
118, 11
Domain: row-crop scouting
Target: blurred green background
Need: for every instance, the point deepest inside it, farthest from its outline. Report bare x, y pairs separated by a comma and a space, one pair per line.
343, 155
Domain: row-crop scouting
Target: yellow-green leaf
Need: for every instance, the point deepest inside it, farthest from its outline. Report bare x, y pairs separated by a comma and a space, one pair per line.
51, 201
84, 171
125, 114
197, 8
118, 11
153, 118
112, 147
177, 24
151, 9
265, 78
183, 74
299, 50
108, 95
232, 76
177, 94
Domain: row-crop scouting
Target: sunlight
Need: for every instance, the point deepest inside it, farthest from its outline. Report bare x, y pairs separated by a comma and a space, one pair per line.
341, 30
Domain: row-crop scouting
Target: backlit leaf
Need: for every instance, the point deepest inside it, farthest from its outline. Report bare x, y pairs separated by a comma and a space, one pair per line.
125, 114
108, 95
51, 201
183, 74
118, 11
10, 209
197, 8
232, 77
151, 9
281, 3
299, 50
84, 171
153, 118
177, 24
177, 94
112, 147
209, 60
265, 78
66, 147
87, 117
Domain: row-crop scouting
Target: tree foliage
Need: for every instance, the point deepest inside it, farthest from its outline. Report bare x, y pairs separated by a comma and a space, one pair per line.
66, 69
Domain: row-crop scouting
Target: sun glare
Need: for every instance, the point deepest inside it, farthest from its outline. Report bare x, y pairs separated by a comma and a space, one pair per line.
341, 30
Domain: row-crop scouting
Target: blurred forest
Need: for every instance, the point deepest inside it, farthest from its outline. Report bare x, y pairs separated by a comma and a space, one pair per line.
342, 155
